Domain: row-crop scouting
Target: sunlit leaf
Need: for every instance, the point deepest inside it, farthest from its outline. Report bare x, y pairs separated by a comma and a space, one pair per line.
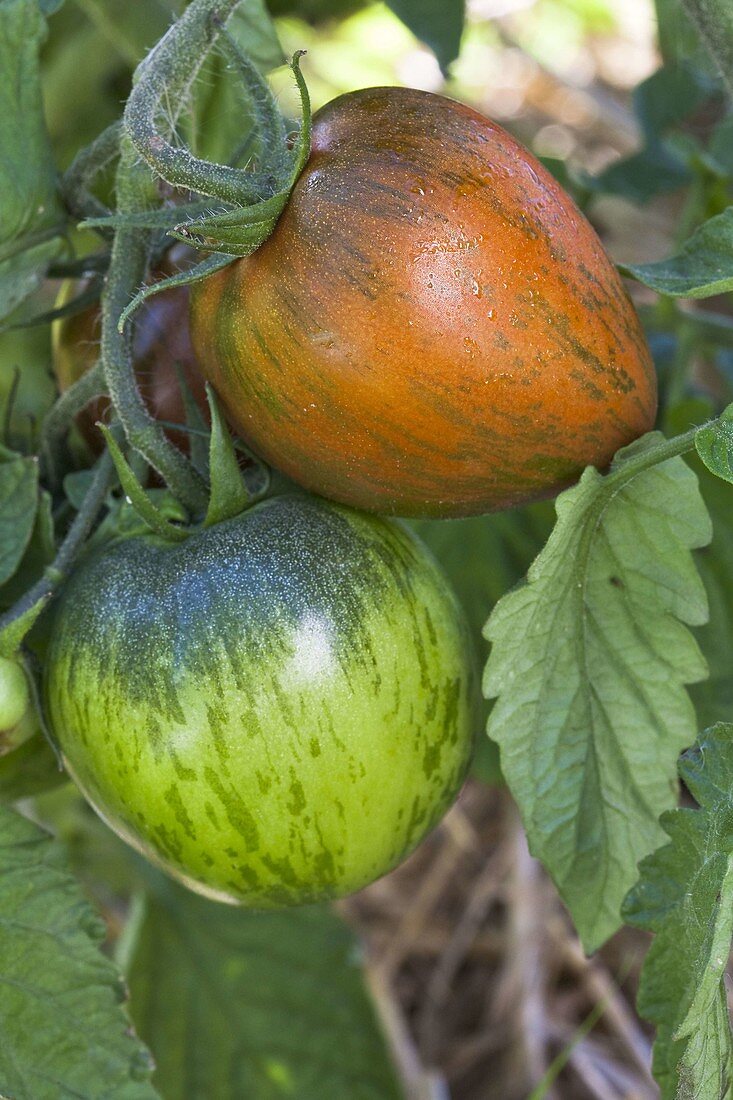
588, 661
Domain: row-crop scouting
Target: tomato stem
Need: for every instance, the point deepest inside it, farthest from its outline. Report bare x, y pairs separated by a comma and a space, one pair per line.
166, 76
76, 180
61, 415
662, 452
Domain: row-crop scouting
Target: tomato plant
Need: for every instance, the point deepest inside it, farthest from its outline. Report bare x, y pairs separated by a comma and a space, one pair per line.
277, 709
433, 328
220, 682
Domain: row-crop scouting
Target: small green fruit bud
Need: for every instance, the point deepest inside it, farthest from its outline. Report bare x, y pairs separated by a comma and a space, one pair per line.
17, 716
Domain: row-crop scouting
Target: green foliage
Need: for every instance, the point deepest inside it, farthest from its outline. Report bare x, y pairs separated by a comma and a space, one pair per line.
588, 662
678, 39
713, 697
685, 896
714, 443
26, 387
18, 503
30, 770
88, 61
276, 1002
670, 95
714, 22
702, 267
64, 1030
39, 553
662, 164
30, 216
142, 502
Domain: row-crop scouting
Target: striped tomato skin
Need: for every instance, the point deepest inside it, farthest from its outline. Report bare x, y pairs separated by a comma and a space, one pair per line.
276, 710
433, 328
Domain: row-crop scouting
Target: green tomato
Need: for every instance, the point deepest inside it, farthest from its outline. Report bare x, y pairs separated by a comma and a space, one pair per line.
17, 713
276, 710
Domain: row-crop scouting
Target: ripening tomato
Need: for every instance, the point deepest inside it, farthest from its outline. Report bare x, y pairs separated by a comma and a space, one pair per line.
433, 328
276, 710
161, 347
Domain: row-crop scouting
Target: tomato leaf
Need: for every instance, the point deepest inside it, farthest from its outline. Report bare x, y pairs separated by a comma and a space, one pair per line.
275, 1001
702, 267
30, 214
438, 23
714, 444
685, 895
57, 984
229, 494
588, 662
667, 97
657, 169
670, 95
713, 698
39, 553
18, 504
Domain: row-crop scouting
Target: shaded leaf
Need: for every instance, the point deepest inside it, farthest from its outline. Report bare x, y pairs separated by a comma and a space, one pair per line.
438, 23
141, 501
685, 895
27, 388
670, 95
239, 1004
721, 145
588, 662
30, 214
18, 504
702, 267
64, 1030
656, 169
30, 770
39, 553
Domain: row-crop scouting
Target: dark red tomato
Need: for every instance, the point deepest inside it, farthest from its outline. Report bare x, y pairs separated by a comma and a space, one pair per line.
161, 342
433, 328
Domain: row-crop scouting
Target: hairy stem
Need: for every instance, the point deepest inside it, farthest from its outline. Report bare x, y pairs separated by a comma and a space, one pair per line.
76, 180
60, 417
668, 448
166, 75
128, 269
